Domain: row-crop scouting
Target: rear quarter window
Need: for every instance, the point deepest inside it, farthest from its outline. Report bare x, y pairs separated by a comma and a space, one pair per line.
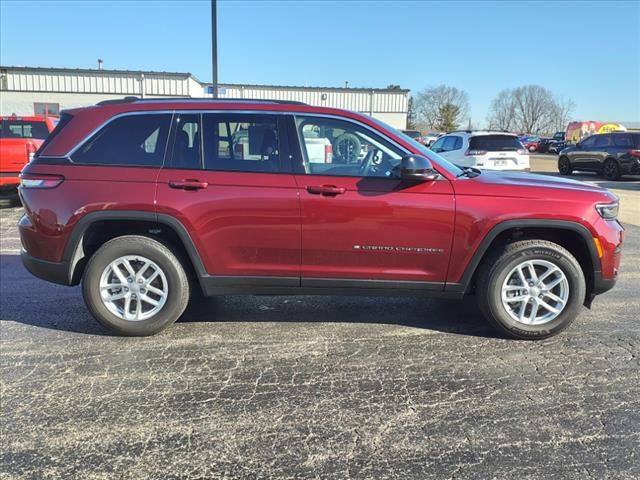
494, 143
132, 140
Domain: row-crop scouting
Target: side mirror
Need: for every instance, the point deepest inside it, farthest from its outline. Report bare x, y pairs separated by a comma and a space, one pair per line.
417, 169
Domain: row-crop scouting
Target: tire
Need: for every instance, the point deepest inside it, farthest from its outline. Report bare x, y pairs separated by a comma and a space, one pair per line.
532, 148
564, 166
346, 148
172, 280
9, 200
611, 169
496, 272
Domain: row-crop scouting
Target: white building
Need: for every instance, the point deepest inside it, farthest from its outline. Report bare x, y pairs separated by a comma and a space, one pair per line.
34, 90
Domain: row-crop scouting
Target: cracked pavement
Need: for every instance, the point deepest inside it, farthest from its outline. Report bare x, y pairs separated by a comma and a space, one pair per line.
315, 387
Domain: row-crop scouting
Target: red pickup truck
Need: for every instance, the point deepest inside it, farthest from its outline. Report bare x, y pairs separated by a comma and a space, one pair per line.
20, 138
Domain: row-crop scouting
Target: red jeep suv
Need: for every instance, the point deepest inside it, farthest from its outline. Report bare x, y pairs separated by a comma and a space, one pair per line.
144, 201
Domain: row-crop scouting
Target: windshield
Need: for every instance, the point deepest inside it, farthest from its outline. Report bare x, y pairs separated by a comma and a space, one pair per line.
447, 165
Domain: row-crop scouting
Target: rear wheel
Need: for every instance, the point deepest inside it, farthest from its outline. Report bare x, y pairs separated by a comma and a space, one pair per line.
532, 289
611, 169
135, 286
564, 166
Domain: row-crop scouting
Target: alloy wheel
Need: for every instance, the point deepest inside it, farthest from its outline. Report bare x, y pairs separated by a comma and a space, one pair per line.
133, 288
535, 292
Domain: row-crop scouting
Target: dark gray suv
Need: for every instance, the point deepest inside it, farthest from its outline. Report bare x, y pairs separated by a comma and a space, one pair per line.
610, 154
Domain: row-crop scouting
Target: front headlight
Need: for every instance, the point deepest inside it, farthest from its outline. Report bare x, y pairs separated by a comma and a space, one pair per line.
608, 211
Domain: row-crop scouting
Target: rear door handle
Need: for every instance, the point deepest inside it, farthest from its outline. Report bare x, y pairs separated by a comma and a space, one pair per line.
328, 190
188, 184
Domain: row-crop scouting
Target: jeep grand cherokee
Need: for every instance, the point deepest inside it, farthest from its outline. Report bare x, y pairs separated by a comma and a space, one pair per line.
143, 201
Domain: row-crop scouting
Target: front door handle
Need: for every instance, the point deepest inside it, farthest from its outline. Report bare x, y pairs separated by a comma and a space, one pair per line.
329, 190
188, 184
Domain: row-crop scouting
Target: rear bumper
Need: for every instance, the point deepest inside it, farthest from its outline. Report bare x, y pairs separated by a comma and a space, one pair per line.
55, 272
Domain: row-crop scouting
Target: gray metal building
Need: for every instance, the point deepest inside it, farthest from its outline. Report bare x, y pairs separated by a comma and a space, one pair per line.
35, 90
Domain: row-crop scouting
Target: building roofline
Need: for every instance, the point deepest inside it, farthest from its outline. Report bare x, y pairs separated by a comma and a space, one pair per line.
97, 71
324, 89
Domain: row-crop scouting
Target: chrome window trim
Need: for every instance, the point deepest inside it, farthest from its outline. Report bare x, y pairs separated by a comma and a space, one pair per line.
222, 111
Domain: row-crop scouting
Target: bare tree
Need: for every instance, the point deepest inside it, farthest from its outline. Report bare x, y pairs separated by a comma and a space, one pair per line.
441, 108
529, 109
562, 115
502, 115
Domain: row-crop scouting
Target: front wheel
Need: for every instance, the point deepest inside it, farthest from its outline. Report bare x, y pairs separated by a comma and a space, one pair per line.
564, 166
532, 289
135, 286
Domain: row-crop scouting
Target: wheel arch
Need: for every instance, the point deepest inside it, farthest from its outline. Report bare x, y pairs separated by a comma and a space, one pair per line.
573, 236
95, 228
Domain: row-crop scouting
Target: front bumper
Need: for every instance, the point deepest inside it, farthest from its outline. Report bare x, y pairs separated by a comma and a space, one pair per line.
55, 272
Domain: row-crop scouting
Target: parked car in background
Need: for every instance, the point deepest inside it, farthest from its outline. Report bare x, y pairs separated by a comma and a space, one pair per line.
610, 154
530, 142
20, 138
556, 146
412, 133
429, 138
485, 150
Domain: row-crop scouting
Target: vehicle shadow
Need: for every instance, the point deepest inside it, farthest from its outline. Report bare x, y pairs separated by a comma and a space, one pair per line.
449, 316
61, 308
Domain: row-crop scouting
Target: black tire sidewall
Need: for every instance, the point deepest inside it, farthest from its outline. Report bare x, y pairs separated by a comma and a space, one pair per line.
577, 289
616, 175
564, 161
177, 297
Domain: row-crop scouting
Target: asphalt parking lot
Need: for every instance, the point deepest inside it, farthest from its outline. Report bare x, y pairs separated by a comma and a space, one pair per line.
318, 387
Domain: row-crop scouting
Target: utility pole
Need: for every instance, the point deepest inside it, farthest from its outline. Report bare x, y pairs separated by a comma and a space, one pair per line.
214, 47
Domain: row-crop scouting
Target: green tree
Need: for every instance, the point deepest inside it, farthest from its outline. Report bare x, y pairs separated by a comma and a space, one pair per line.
448, 117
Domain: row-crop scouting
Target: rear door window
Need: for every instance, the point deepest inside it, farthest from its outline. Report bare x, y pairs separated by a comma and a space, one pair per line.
241, 142
186, 144
495, 143
23, 129
623, 140
132, 140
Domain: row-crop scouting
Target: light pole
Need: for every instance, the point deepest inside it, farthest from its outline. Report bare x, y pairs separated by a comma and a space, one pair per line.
214, 47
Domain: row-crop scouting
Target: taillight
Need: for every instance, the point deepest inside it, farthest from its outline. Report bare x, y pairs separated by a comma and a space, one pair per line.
238, 150
470, 152
40, 181
634, 153
31, 150
522, 151
328, 154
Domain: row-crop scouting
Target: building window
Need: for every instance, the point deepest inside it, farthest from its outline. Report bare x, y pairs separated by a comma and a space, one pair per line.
46, 109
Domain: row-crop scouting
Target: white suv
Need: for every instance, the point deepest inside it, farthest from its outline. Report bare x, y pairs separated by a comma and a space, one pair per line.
484, 150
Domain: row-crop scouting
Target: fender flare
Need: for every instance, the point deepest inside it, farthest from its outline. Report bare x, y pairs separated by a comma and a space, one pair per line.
74, 253
502, 227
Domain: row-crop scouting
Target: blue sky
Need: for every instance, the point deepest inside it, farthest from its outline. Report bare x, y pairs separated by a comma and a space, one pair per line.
586, 51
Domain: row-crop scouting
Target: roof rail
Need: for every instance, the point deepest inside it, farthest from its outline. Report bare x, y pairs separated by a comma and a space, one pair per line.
115, 101
197, 100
